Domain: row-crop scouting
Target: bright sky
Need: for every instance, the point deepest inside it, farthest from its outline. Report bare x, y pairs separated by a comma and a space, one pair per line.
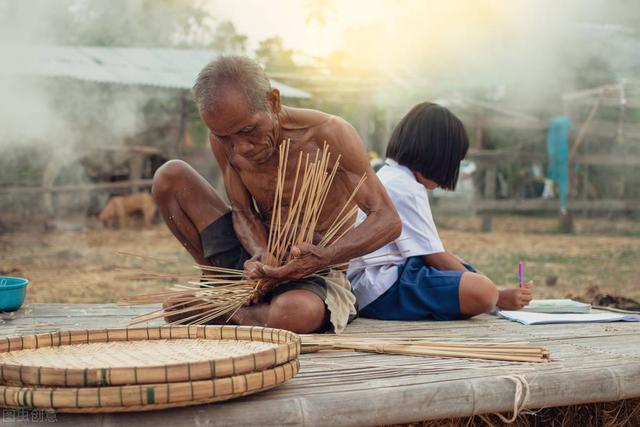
261, 18
519, 42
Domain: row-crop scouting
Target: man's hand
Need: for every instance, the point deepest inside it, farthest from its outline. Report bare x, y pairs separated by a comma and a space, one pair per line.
253, 267
306, 259
515, 298
254, 270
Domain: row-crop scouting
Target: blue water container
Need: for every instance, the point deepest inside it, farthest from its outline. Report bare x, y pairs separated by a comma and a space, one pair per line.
12, 292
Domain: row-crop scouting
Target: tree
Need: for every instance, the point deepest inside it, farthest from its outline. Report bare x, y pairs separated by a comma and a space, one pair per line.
228, 40
145, 23
319, 14
275, 57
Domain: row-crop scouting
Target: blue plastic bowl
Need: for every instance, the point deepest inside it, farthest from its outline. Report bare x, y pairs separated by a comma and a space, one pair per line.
12, 292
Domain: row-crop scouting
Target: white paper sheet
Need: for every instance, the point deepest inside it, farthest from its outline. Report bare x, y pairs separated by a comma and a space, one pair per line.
527, 318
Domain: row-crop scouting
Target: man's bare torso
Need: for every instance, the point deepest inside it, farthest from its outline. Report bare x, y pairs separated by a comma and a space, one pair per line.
307, 131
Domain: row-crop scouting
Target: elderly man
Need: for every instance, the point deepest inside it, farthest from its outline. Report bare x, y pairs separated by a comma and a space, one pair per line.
247, 123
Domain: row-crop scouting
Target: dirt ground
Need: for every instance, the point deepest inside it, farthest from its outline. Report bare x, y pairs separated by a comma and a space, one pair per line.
85, 265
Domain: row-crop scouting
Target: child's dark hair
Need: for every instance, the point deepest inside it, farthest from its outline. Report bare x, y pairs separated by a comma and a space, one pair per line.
431, 140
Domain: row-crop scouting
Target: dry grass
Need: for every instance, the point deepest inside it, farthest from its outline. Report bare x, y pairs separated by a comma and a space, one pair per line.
598, 254
80, 266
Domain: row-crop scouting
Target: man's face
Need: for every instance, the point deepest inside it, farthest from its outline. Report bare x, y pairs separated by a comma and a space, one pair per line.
251, 135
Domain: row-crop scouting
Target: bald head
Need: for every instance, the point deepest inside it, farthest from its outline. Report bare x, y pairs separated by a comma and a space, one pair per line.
232, 72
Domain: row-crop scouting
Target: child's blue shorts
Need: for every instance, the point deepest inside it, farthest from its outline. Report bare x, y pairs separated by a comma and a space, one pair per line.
420, 293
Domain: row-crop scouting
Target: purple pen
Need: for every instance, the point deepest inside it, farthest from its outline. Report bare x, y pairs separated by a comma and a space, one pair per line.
520, 273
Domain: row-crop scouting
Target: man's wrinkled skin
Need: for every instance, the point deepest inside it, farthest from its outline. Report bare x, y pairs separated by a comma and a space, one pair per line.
245, 144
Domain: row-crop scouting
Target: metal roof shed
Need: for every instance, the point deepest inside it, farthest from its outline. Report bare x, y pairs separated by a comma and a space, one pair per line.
169, 68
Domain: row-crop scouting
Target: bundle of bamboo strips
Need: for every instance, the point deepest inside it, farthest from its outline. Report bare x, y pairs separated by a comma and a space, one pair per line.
222, 291
489, 351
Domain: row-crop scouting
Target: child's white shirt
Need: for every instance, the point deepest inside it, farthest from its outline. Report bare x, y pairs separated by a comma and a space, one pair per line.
372, 277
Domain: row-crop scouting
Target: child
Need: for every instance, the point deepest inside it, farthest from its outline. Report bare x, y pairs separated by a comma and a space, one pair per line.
414, 277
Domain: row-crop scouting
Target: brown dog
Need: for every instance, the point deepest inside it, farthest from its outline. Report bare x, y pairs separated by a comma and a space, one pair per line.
119, 208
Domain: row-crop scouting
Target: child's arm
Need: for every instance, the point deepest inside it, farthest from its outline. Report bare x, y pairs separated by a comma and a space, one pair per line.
443, 261
464, 262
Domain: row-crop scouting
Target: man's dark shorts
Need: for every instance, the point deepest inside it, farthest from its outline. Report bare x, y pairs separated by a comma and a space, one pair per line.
222, 248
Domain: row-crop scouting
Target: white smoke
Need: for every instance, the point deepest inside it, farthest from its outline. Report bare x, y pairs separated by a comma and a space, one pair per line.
56, 117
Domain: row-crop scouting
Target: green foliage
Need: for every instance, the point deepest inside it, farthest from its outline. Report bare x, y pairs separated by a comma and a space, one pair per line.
228, 40
275, 57
148, 23
119, 23
320, 12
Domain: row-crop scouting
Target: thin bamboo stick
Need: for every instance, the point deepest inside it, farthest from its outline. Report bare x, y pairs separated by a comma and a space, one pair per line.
219, 269
353, 193
149, 257
490, 351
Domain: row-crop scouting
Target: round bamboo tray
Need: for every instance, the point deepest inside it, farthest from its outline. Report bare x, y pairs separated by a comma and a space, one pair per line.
91, 358
146, 397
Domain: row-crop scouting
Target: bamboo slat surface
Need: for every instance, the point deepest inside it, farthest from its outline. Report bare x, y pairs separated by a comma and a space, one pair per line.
589, 363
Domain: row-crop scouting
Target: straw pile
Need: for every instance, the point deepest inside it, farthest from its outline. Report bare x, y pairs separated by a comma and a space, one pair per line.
141, 369
222, 291
492, 351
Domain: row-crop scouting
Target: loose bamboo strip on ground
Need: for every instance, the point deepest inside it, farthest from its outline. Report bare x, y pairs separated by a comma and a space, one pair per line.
506, 352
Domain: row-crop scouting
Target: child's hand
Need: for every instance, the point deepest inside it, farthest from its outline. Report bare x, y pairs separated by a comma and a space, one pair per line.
515, 298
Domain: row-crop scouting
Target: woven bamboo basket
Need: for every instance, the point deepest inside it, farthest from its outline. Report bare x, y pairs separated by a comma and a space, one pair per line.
146, 397
165, 354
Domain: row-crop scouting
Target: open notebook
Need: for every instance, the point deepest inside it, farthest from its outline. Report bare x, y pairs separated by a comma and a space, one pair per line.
557, 306
527, 318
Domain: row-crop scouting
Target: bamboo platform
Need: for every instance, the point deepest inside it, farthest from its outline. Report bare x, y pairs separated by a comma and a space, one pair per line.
590, 363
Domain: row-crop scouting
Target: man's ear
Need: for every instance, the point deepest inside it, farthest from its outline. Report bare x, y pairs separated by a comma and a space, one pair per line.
274, 100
